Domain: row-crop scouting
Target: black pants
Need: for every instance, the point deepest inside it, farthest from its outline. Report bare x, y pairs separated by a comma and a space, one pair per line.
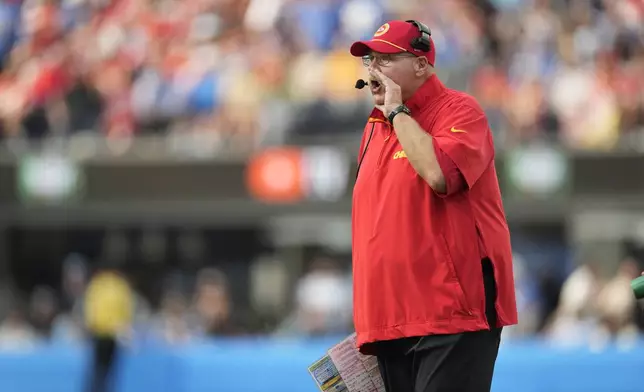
441, 363
103, 357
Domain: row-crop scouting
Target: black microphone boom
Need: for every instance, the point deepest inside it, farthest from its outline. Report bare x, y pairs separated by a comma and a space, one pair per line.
360, 84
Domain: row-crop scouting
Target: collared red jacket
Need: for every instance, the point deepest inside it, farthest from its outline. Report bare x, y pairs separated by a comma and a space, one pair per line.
416, 253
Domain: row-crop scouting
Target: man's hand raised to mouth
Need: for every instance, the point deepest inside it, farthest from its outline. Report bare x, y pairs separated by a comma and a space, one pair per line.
393, 93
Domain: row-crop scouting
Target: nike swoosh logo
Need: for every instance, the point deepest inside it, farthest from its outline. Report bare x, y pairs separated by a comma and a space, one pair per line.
454, 130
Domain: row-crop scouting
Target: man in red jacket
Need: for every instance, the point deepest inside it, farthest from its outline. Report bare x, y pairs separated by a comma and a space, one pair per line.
432, 263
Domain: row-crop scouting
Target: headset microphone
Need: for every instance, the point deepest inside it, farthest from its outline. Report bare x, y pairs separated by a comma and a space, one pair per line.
360, 84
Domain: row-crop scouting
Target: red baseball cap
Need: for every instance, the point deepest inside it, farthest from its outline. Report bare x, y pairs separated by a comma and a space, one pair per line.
393, 37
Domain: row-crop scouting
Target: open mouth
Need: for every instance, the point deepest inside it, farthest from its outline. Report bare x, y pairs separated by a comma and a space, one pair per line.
375, 85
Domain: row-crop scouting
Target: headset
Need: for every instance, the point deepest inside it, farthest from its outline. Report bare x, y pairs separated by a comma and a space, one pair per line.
422, 43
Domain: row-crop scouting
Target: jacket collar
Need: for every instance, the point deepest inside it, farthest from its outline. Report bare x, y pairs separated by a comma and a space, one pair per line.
426, 94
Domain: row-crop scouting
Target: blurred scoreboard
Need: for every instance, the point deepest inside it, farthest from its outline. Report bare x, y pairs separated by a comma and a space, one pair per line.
537, 183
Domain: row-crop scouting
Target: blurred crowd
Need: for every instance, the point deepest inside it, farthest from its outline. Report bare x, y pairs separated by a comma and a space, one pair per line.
593, 309
85, 306
245, 72
189, 307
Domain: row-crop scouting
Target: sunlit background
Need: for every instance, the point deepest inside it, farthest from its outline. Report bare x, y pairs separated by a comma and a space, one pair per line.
207, 148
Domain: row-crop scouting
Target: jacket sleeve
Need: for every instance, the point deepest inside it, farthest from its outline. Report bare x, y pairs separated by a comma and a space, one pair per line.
463, 134
454, 181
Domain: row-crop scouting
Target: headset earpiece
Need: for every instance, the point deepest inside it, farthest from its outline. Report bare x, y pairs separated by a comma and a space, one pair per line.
422, 43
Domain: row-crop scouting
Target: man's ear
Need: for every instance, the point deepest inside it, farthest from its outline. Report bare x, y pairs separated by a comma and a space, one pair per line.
421, 65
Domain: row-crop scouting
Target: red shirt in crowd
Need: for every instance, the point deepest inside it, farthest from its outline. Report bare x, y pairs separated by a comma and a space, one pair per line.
416, 253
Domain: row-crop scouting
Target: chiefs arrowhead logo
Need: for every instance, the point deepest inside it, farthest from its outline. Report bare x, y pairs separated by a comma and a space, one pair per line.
382, 30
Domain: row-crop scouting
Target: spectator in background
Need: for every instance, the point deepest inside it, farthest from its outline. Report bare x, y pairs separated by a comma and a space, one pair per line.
43, 309
213, 304
74, 280
173, 323
575, 320
616, 304
9, 20
15, 331
109, 308
69, 324
584, 102
316, 311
